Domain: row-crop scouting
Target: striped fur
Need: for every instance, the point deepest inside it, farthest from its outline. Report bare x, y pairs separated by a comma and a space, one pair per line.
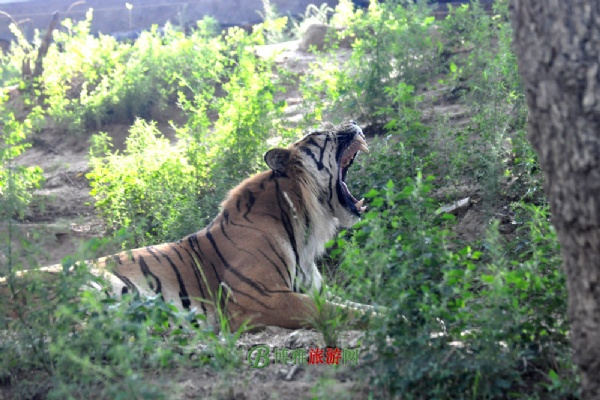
261, 248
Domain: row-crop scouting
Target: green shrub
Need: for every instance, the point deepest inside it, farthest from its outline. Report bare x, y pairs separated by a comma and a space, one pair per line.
393, 44
484, 75
163, 191
144, 188
16, 181
21, 52
461, 323
248, 117
91, 82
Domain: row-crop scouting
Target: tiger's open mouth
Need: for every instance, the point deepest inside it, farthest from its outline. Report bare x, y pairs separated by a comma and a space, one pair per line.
346, 160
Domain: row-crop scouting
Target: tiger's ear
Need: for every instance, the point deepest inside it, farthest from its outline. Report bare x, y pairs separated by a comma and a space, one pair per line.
277, 159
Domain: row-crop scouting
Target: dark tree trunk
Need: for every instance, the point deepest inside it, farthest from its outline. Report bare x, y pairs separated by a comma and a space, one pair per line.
558, 48
39, 68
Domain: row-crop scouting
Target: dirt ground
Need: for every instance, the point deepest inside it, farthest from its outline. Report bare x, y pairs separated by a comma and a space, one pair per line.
66, 218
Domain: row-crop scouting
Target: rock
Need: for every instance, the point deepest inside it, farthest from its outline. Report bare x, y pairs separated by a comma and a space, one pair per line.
320, 36
456, 207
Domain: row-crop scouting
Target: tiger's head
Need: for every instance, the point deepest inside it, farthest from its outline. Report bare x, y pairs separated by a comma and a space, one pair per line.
320, 161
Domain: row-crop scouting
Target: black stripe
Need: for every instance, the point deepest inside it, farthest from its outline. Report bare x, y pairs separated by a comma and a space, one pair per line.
191, 240
149, 250
282, 291
183, 294
264, 214
249, 204
146, 271
237, 291
287, 225
225, 233
198, 280
287, 268
172, 246
130, 285
240, 276
306, 227
312, 141
330, 191
323, 147
226, 216
116, 258
232, 241
287, 284
312, 155
266, 237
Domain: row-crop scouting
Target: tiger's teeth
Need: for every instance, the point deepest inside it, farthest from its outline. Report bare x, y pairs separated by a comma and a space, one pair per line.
359, 203
362, 144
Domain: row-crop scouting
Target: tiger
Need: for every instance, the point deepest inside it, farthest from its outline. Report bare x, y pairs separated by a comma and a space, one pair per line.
262, 247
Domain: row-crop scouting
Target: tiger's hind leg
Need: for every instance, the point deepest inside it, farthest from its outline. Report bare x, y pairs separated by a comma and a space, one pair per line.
293, 310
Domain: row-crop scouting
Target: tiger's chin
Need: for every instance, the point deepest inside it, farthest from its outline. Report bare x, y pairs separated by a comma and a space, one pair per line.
347, 220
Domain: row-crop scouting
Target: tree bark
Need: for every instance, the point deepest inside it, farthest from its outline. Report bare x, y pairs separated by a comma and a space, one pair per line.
39, 67
557, 43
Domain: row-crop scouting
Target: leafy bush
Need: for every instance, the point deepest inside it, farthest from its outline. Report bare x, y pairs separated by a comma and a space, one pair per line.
132, 189
21, 52
90, 82
16, 181
483, 70
393, 44
462, 323
165, 192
